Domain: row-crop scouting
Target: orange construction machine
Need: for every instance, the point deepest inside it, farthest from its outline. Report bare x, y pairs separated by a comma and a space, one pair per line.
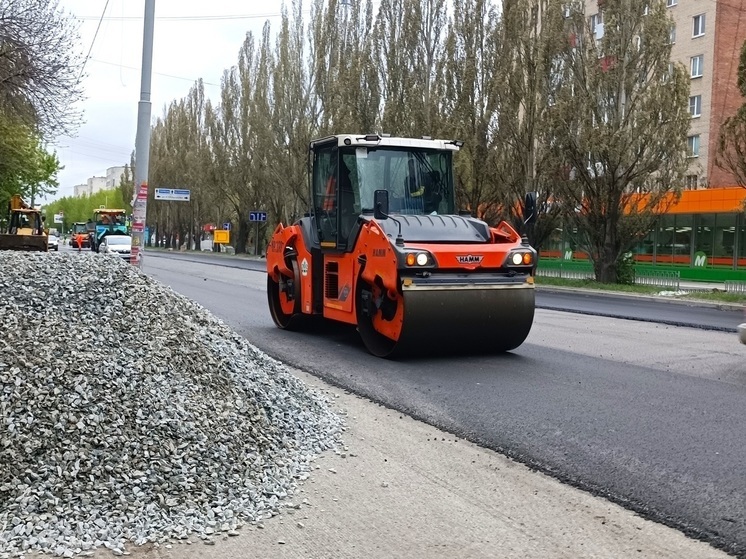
384, 248
25, 229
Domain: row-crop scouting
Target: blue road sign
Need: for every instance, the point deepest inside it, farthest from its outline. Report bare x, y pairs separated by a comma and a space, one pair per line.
173, 194
227, 225
257, 216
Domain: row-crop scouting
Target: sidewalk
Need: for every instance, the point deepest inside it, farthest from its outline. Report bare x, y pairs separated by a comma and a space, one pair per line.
403, 489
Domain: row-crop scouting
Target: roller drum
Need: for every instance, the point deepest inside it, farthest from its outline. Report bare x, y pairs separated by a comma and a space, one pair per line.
466, 319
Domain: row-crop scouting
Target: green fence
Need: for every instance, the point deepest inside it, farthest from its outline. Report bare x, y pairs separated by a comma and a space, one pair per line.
580, 269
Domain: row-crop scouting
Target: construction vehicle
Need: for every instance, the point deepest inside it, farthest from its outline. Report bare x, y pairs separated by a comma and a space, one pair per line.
25, 229
79, 235
106, 222
384, 248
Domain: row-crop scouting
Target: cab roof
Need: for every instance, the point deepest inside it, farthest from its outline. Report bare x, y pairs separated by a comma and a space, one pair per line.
383, 140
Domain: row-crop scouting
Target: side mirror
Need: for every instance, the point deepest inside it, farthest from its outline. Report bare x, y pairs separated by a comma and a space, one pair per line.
43, 218
529, 207
381, 204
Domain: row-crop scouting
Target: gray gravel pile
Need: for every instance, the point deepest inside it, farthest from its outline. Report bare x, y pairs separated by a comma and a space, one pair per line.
130, 414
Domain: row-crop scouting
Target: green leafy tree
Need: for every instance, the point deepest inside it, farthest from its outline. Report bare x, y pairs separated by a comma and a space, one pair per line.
26, 167
80, 208
618, 123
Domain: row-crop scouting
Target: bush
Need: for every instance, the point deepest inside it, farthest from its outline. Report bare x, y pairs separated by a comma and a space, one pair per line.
625, 269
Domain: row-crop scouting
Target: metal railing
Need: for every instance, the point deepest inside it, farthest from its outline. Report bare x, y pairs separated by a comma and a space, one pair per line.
659, 278
566, 273
735, 287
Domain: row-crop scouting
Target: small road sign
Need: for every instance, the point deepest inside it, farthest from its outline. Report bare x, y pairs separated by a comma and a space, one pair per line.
227, 225
221, 236
257, 216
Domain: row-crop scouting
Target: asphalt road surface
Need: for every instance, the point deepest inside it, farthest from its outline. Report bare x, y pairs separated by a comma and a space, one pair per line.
649, 415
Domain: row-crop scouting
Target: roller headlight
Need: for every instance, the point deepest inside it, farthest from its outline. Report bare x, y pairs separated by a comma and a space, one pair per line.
415, 259
522, 258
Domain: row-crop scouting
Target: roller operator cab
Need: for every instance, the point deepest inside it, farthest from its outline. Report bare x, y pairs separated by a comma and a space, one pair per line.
384, 248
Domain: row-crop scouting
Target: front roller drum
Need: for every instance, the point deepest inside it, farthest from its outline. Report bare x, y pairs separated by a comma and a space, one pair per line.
491, 319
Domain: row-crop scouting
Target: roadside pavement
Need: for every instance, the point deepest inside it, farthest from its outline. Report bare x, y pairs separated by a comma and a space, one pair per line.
403, 489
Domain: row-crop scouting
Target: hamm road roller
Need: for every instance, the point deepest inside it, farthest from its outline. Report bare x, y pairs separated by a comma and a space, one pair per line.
383, 247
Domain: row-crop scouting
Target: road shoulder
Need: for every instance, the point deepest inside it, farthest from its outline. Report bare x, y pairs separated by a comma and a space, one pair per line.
401, 488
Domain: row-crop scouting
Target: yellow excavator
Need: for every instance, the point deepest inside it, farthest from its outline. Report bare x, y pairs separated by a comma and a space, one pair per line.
25, 229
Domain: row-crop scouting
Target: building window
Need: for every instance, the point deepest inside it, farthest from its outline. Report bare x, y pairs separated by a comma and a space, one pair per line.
672, 35
691, 182
692, 143
595, 20
670, 3
695, 105
699, 25
697, 65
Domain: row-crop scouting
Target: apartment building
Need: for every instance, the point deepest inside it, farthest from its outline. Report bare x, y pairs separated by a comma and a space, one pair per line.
94, 184
114, 176
91, 186
707, 38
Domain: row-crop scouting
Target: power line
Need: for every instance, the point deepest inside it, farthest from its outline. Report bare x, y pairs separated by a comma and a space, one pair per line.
159, 73
88, 155
188, 18
82, 68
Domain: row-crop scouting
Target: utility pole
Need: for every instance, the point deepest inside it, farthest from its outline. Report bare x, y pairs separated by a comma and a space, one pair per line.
142, 141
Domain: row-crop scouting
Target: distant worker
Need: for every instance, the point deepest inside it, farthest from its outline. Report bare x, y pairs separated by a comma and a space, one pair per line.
79, 240
413, 190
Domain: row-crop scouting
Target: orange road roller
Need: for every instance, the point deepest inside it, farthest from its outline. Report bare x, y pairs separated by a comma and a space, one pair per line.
383, 247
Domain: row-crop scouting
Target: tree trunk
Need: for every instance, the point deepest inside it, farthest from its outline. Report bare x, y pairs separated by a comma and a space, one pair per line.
242, 238
606, 266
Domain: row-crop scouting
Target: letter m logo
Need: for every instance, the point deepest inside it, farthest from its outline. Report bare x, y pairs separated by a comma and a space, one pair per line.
700, 260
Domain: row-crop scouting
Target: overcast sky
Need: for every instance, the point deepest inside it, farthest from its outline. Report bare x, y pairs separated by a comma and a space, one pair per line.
192, 40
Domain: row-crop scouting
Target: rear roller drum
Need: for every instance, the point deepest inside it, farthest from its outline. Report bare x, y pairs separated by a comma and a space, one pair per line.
284, 299
374, 310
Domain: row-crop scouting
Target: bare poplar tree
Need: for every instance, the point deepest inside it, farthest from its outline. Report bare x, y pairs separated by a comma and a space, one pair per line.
39, 65
394, 46
345, 80
240, 129
259, 183
197, 178
469, 103
292, 121
521, 144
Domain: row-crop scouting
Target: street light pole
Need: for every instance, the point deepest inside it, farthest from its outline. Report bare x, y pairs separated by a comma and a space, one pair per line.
142, 141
